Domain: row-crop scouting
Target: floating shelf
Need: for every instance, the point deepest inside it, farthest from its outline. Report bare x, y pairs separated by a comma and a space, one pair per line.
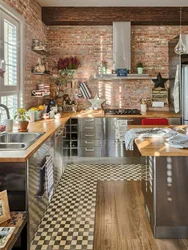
128, 77
41, 51
35, 73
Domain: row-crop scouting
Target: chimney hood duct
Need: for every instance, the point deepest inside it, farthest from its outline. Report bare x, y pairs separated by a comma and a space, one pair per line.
121, 45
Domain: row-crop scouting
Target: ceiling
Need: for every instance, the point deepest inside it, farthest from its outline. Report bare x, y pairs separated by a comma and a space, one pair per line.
112, 3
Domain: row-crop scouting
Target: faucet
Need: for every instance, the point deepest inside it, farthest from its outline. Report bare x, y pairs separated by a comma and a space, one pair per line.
6, 109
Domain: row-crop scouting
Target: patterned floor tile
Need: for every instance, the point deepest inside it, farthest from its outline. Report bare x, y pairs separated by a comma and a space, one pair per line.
69, 220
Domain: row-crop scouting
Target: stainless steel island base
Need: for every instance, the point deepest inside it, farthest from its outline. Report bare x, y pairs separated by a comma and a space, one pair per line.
165, 191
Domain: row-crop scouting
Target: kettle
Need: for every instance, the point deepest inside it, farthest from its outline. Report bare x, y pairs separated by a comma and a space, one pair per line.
51, 104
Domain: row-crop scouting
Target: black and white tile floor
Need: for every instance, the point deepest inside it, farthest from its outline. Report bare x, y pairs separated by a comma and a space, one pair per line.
69, 220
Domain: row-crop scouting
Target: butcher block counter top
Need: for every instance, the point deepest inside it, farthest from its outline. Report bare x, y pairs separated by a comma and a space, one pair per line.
149, 114
49, 126
155, 146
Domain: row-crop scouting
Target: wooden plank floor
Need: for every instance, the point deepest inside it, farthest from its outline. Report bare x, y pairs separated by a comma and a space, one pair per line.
121, 222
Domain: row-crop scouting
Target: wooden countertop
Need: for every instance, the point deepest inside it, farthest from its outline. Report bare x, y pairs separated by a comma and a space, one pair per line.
48, 126
149, 114
51, 125
155, 146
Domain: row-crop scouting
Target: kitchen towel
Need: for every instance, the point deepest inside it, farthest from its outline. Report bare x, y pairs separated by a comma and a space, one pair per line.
49, 176
176, 91
84, 90
133, 133
120, 128
178, 141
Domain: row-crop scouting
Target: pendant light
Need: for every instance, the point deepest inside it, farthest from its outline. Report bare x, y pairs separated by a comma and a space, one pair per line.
180, 47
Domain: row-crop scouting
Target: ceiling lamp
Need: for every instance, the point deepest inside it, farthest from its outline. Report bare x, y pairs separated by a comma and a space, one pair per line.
180, 47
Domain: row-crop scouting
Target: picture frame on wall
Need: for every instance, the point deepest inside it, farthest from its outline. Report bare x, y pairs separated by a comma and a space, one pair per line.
4, 207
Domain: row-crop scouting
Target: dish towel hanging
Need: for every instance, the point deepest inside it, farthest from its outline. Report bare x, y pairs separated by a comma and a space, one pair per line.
84, 90
49, 176
176, 91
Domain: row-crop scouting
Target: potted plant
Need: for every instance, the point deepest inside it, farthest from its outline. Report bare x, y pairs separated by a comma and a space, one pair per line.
139, 67
22, 116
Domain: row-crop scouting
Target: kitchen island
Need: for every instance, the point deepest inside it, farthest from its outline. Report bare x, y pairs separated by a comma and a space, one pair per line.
165, 187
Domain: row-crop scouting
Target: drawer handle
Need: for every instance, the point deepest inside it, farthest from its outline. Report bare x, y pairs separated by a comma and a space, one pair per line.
89, 149
89, 142
89, 135
89, 127
89, 120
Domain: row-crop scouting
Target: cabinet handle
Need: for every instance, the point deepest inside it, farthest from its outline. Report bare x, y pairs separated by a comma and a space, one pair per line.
64, 132
89, 149
89, 120
89, 142
89, 127
89, 135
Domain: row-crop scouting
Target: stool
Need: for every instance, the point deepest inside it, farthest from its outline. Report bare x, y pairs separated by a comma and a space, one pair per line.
154, 121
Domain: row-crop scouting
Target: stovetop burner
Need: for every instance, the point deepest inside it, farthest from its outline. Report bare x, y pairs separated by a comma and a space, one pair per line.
122, 112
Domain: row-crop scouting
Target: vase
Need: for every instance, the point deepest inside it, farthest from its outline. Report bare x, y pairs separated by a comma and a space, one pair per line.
140, 71
143, 108
23, 126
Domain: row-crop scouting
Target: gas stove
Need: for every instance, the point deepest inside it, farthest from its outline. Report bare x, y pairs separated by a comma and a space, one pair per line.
122, 112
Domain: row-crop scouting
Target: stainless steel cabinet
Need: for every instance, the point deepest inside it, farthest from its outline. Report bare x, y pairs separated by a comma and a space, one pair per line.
115, 142
60, 156
91, 137
38, 198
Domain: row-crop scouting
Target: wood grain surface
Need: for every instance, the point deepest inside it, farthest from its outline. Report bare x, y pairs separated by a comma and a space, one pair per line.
108, 15
121, 222
50, 126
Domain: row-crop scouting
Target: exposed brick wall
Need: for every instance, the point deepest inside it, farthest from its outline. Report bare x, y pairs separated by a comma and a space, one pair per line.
91, 43
34, 28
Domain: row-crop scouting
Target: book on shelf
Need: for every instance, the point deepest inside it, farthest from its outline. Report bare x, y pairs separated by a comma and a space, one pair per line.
5, 234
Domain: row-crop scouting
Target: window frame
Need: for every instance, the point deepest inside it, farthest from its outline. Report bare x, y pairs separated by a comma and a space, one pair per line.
8, 13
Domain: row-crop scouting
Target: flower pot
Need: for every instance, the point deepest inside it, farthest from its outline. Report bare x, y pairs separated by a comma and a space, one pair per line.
23, 126
140, 71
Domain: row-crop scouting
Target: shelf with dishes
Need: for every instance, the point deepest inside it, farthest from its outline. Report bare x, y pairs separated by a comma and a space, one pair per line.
42, 90
39, 47
41, 73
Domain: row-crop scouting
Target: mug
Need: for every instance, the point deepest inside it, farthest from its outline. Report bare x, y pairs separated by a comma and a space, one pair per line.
32, 115
46, 116
9, 124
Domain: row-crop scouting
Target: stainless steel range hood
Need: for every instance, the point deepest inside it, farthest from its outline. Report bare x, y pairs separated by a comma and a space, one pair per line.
121, 45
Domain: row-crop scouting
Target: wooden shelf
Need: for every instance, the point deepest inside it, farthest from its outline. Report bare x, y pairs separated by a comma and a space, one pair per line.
107, 77
35, 73
41, 52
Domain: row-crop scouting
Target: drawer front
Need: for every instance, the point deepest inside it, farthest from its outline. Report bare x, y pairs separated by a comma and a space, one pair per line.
90, 134
90, 121
90, 143
90, 151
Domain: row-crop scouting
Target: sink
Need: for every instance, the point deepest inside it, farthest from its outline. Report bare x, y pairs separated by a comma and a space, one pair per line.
17, 141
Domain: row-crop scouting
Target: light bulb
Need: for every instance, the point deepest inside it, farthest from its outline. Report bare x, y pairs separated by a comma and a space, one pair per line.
180, 47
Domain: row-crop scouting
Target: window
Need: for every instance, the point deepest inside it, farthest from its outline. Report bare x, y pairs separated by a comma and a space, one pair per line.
10, 52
